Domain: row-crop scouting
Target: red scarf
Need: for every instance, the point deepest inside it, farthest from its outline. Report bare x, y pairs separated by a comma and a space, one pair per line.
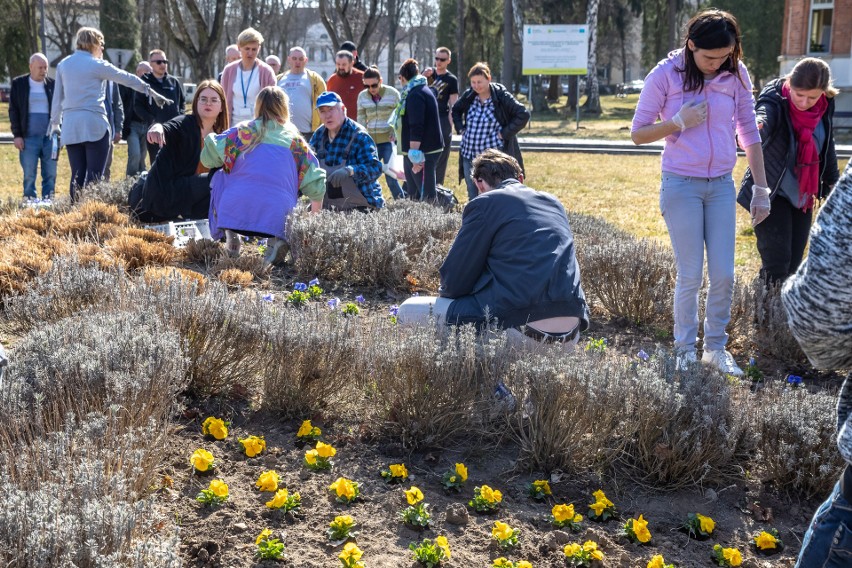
807, 154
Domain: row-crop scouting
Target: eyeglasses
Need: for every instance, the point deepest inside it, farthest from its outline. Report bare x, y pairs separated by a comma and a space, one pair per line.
441, 58
371, 85
160, 61
212, 101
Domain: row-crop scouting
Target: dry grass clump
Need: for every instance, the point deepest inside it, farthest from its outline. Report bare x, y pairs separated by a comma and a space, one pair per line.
235, 278
378, 249
427, 386
250, 264
91, 254
37, 219
136, 253
796, 449
683, 428
88, 220
204, 252
568, 410
630, 278
313, 359
590, 230
157, 275
22, 258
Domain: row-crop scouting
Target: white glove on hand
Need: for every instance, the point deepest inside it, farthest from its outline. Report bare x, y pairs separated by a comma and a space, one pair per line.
691, 114
55, 129
760, 204
159, 99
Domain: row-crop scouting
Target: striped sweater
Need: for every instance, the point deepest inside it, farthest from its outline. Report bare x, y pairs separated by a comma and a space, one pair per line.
373, 115
818, 299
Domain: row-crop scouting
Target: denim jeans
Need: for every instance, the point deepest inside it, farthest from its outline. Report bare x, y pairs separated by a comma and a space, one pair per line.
136, 148
37, 149
828, 541
467, 167
385, 150
701, 212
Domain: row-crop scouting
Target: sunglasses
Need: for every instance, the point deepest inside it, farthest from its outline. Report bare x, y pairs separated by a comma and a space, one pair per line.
442, 58
160, 61
371, 85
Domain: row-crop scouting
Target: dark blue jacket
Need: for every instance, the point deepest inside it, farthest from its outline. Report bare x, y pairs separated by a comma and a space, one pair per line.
421, 121
515, 255
19, 103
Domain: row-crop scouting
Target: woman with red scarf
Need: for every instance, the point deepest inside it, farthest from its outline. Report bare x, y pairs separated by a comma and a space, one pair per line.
795, 116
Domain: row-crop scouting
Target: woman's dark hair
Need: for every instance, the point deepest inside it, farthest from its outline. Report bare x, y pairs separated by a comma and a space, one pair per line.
494, 167
221, 123
480, 68
373, 72
711, 29
812, 73
409, 69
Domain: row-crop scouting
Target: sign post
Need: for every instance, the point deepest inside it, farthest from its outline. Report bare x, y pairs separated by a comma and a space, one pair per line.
561, 49
119, 57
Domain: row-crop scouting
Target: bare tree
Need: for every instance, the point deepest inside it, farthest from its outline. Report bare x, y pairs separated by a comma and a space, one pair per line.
194, 33
350, 19
593, 101
64, 17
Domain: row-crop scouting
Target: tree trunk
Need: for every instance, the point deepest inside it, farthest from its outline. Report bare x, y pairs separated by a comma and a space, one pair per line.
198, 38
459, 55
508, 29
672, 18
593, 101
392, 20
553, 91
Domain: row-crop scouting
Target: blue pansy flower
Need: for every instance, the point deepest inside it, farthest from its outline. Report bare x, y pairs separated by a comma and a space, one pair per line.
333, 303
314, 282
268, 297
642, 355
359, 298
394, 310
300, 286
794, 379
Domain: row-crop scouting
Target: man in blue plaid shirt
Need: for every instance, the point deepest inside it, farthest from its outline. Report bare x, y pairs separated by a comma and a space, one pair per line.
349, 157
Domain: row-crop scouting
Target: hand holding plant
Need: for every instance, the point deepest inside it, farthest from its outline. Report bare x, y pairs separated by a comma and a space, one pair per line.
455, 478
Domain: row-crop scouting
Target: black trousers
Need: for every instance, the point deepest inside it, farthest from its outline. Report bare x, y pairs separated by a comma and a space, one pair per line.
781, 240
88, 160
447, 132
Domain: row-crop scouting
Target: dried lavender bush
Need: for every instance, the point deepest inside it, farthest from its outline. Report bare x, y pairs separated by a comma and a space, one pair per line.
427, 385
630, 278
683, 428
378, 249
313, 359
590, 230
65, 289
113, 192
797, 450
772, 335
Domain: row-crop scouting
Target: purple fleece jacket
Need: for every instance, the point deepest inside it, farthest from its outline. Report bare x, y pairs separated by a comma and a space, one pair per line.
709, 149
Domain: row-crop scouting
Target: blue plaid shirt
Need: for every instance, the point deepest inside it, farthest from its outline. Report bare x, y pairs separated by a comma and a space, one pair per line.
362, 157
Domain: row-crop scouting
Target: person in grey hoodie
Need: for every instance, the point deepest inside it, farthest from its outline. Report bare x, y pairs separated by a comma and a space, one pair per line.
818, 299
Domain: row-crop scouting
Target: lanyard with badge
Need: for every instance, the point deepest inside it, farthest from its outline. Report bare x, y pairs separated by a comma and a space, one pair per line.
245, 88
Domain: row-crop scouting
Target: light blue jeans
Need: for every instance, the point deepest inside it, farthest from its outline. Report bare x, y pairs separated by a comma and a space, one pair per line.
467, 167
700, 213
828, 542
136, 148
37, 149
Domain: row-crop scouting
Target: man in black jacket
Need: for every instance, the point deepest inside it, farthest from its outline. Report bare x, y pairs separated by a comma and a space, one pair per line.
29, 113
512, 263
166, 85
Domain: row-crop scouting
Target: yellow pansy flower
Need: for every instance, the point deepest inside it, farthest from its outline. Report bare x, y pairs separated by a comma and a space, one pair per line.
413, 495
201, 459
461, 471
501, 563
307, 429
264, 534
705, 523
311, 457
268, 481
563, 512
398, 470
325, 450
253, 445
571, 549
765, 541
351, 552
442, 543
640, 529
523, 564
501, 531
278, 500
452, 479
733, 556
542, 486
598, 507
219, 488
656, 561
343, 488
214, 427
490, 495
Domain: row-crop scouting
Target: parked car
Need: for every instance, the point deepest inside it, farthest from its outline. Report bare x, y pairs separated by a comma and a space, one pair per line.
189, 91
633, 87
5, 89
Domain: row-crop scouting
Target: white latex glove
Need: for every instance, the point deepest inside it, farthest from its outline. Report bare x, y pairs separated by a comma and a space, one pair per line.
54, 130
159, 99
760, 204
691, 114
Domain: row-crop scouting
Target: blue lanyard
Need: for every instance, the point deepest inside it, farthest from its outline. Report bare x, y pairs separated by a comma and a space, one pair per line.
245, 88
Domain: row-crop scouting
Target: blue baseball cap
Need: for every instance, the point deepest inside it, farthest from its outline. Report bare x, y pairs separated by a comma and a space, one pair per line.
329, 98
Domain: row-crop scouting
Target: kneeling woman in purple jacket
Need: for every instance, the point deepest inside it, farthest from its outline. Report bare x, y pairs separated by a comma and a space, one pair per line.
265, 163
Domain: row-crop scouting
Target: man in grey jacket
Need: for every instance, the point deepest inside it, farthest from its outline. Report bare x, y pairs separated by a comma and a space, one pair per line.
818, 299
512, 264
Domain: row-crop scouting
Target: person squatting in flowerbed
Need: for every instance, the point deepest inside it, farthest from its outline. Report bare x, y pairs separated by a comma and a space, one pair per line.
264, 164
512, 263
794, 114
692, 99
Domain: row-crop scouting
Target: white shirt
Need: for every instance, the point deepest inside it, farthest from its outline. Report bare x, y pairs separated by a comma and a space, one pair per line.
298, 88
246, 88
38, 98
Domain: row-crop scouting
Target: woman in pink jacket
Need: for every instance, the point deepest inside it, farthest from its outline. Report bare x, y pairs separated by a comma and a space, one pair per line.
243, 79
698, 98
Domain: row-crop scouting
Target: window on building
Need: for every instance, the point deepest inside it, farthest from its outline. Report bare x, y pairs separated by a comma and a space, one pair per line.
324, 55
821, 18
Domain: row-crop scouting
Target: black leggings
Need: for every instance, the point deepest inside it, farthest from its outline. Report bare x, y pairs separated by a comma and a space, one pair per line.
88, 161
781, 240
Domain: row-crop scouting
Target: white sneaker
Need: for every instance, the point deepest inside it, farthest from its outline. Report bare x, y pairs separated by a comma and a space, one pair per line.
684, 359
722, 360
276, 250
